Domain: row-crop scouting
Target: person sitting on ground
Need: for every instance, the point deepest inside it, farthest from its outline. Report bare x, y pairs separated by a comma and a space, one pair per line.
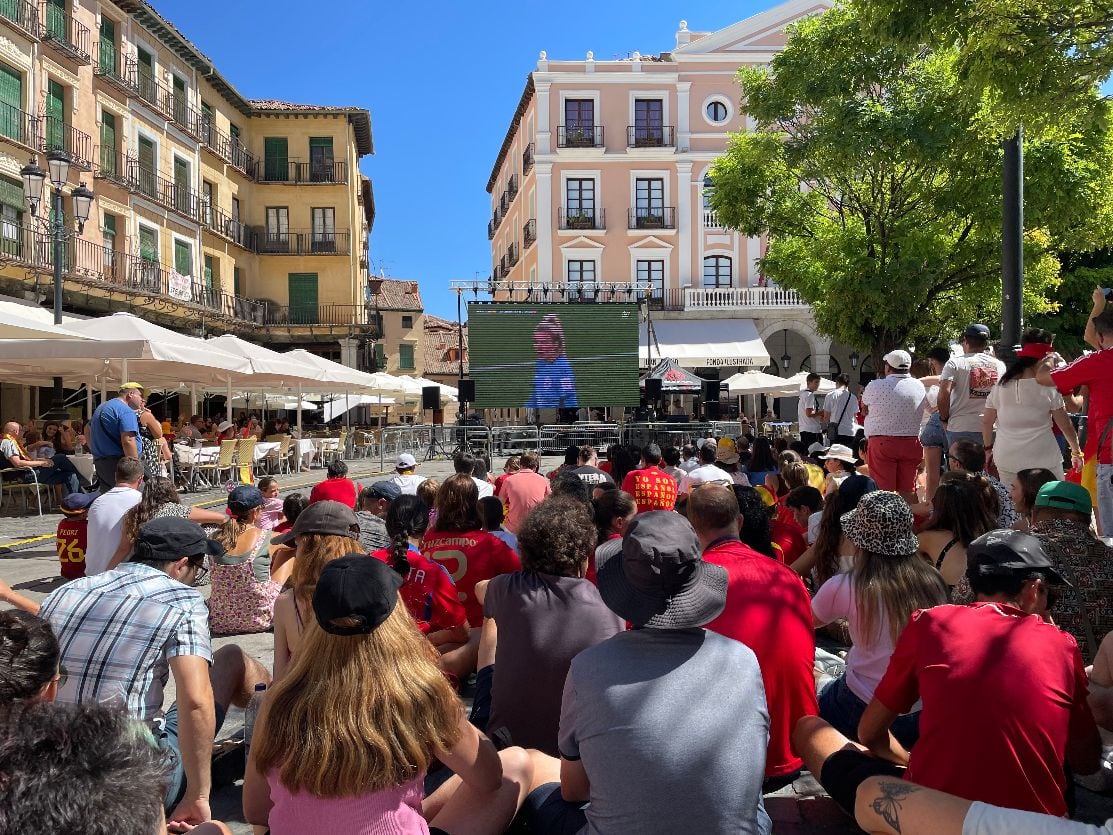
83, 769
481, 470
1061, 522
29, 656
344, 739
571, 461
832, 553
491, 514
337, 487
125, 631
292, 506
587, 467
1024, 491
761, 461
671, 456
427, 590
788, 539
524, 490
706, 473
969, 456
71, 538
839, 462
768, 610
754, 519
804, 508
612, 732
571, 486
964, 508
513, 464
427, 493
106, 516
374, 504
245, 580
470, 554
982, 736
650, 486
889, 581
536, 621
322, 533
57, 472
159, 500
404, 475
272, 515
464, 464
613, 512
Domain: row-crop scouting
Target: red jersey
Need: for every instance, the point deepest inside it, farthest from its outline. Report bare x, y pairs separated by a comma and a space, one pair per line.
499, 481
428, 592
768, 610
342, 490
1003, 693
469, 557
1094, 370
652, 489
71, 539
788, 540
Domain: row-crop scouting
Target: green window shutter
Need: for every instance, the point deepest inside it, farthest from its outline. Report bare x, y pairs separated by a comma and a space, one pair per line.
56, 18
303, 298
107, 45
108, 143
236, 281
406, 357
55, 115
208, 271
11, 103
234, 130
320, 142
145, 58
109, 224
148, 243
276, 159
380, 357
183, 258
11, 194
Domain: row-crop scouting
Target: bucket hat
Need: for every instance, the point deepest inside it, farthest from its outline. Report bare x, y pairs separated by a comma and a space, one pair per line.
881, 524
840, 452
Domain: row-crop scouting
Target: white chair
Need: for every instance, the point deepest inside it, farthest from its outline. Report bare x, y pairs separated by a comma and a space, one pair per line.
23, 486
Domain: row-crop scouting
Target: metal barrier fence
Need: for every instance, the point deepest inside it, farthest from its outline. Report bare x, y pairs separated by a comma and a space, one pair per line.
515, 440
555, 439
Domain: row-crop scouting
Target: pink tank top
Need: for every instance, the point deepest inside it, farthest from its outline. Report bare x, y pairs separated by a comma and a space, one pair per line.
395, 811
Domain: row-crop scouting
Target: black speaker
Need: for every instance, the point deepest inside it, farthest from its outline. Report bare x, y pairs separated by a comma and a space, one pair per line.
466, 390
711, 410
430, 397
653, 388
711, 390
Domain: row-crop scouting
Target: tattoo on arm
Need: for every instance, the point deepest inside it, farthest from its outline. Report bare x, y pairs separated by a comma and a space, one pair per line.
888, 804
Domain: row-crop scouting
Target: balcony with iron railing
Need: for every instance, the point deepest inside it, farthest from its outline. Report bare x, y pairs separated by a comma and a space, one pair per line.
652, 217
306, 242
302, 173
492, 227
512, 186
650, 136
169, 102
512, 254
110, 164
62, 33
223, 224
115, 67
323, 315
228, 148
527, 159
580, 136
529, 233
59, 136
504, 203
21, 15
176, 196
582, 218
18, 126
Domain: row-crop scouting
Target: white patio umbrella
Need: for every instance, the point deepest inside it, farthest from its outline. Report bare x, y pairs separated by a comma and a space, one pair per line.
340, 405
447, 392
755, 382
799, 381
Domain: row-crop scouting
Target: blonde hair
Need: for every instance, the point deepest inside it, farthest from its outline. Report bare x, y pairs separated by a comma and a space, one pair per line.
895, 585
358, 714
315, 552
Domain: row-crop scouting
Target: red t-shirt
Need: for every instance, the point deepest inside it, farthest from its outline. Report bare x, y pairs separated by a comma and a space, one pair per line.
788, 539
470, 557
500, 480
428, 592
1003, 693
342, 490
768, 610
652, 489
1095, 371
71, 540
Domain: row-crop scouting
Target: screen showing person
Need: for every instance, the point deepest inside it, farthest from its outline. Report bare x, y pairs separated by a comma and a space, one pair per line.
553, 356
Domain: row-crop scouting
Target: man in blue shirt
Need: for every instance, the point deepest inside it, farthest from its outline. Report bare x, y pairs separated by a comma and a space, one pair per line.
114, 433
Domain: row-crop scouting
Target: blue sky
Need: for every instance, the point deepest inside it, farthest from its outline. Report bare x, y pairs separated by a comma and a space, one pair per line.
441, 80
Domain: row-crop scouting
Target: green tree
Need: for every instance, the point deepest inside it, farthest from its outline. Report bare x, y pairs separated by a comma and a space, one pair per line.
1082, 272
877, 179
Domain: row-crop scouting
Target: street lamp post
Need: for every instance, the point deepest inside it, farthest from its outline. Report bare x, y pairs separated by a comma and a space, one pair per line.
34, 180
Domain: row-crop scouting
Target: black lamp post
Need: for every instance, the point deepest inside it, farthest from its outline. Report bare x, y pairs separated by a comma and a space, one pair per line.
34, 180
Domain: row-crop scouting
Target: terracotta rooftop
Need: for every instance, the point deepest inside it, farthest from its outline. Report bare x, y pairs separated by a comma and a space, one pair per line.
394, 294
441, 341
359, 117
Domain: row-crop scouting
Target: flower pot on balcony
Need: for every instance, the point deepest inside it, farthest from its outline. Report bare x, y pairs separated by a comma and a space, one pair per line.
651, 222
581, 222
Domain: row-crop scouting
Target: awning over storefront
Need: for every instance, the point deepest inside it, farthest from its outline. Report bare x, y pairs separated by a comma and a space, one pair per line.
706, 343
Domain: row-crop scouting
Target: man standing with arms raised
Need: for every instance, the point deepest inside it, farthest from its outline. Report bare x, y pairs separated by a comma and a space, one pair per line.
114, 433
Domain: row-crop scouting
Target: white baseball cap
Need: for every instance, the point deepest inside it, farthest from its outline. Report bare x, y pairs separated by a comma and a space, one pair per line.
405, 461
900, 360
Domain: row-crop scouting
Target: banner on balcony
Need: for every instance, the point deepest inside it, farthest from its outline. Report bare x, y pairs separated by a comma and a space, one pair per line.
181, 286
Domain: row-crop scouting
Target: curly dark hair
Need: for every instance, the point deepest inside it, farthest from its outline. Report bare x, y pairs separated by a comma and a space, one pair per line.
557, 537
755, 520
157, 491
457, 504
28, 655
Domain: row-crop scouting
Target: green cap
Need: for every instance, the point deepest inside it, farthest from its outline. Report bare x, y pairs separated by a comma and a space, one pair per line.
1064, 495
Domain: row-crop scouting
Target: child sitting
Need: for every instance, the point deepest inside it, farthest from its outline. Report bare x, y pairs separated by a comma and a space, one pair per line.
71, 537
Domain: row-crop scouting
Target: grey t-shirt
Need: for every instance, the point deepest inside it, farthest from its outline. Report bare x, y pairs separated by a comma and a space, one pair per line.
544, 621
372, 531
672, 727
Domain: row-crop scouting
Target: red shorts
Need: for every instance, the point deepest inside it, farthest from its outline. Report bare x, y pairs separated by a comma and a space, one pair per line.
893, 460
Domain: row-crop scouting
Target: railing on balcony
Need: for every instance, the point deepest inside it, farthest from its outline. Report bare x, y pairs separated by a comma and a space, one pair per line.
512, 186
228, 148
512, 254
650, 136
580, 136
529, 232
295, 172
63, 33
504, 203
711, 219
581, 219
177, 197
171, 103
110, 163
223, 224
527, 159
653, 217
22, 14
115, 67
718, 298
18, 126
59, 136
321, 314
302, 243
492, 226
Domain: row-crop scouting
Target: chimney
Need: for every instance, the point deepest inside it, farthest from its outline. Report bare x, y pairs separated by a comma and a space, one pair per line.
376, 286
683, 36
413, 287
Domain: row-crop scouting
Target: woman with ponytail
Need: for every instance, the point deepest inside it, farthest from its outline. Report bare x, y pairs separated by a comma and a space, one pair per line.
427, 589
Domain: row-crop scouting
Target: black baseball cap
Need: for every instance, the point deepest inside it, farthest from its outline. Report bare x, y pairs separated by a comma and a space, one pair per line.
1006, 552
384, 489
355, 587
245, 497
327, 518
171, 538
977, 331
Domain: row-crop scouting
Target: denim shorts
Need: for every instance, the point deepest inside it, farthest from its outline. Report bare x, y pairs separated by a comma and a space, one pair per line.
839, 706
932, 434
167, 737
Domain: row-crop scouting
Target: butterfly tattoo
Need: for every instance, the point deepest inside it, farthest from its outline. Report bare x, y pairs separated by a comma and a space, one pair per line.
889, 803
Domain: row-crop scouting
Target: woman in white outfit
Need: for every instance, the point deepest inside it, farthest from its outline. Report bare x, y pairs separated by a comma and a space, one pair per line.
1023, 411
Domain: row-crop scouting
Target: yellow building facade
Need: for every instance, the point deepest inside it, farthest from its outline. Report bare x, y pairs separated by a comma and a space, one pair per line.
213, 213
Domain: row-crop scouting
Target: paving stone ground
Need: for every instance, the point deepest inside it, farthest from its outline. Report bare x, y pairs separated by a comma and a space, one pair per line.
29, 564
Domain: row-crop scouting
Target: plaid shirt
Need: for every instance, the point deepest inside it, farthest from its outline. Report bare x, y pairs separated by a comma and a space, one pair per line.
118, 630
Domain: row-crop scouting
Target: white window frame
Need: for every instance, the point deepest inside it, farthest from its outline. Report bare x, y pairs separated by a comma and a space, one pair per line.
719, 253
731, 109
573, 174
175, 239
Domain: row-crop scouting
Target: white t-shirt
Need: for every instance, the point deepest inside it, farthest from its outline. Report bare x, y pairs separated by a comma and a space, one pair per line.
869, 657
834, 405
485, 487
983, 819
706, 474
1024, 438
972, 377
408, 484
106, 524
9, 450
809, 400
813, 526
896, 406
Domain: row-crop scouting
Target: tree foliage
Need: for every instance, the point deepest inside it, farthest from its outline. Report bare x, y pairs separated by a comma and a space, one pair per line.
878, 181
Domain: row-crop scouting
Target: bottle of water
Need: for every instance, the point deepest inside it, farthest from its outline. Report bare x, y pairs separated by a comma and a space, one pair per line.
251, 712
